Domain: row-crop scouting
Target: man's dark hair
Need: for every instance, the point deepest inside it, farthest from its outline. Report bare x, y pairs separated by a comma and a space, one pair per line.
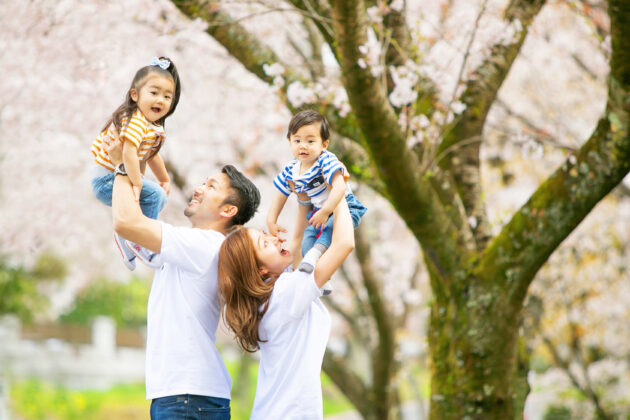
243, 194
306, 117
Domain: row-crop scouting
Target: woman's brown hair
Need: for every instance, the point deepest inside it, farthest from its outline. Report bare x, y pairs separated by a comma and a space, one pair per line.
242, 288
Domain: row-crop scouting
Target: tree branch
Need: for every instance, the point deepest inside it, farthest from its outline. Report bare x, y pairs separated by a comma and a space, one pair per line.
351, 321
348, 382
357, 161
571, 192
383, 356
253, 55
411, 195
463, 159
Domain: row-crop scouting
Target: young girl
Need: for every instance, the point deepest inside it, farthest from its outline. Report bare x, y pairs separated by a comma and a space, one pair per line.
279, 312
139, 124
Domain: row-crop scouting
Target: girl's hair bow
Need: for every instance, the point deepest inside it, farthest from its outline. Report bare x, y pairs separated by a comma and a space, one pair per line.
161, 63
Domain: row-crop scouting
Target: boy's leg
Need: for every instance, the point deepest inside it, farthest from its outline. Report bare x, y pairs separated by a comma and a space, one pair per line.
322, 242
152, 201
356, 208
309, 238
309, 253
103, 187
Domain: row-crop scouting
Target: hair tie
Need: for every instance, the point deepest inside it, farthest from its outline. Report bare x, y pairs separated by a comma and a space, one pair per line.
161, 63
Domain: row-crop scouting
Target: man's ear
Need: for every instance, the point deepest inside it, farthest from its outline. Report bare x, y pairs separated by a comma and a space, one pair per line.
134, 94
229, 211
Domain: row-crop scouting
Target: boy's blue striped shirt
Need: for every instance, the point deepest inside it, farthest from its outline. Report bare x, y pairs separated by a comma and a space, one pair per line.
313, 182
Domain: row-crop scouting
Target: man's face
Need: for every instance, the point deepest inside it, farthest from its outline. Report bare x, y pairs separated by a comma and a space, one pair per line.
208, 198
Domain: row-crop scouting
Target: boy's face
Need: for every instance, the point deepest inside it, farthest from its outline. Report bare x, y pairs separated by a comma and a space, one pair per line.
307, 144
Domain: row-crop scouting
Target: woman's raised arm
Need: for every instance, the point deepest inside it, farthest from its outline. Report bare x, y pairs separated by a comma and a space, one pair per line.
341, 246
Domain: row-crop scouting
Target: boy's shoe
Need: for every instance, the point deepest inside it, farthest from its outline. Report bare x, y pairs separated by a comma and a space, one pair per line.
152, 259
127, 256
326, 289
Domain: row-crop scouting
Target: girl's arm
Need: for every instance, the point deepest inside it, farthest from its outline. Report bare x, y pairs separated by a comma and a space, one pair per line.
132, 166
274, 211
337, 192
341, 246
156, 163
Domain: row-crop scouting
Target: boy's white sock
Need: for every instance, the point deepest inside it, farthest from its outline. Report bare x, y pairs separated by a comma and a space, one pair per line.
312, 255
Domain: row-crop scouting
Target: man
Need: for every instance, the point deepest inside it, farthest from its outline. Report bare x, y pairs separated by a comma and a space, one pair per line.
185, 375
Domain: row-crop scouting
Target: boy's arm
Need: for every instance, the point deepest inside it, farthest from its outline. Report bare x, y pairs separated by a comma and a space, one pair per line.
156, 163
337, 192
132, 167
274, 211
298, 232
129, 222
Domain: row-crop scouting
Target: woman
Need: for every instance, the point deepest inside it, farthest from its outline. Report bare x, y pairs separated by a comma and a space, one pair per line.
271, 308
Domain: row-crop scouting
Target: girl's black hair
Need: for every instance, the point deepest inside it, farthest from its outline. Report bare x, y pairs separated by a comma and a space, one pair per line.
127, 108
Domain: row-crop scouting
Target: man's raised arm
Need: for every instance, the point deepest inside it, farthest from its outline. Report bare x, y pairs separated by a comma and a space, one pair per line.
129, 222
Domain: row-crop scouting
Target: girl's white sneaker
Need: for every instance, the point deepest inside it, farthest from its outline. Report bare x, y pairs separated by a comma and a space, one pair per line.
149, 258
127, 256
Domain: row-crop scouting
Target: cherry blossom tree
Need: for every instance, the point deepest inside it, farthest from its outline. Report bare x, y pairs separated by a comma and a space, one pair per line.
410, 110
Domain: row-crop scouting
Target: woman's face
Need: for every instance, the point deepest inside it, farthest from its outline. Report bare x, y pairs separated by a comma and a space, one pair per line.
269, 251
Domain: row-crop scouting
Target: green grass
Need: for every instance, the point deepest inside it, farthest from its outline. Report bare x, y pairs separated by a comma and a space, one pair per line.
37, 400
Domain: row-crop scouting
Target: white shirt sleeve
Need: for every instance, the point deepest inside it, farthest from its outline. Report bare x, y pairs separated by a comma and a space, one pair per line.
294, 292
191, 249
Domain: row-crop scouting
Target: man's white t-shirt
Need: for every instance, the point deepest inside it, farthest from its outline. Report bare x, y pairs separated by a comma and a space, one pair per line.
183, 314
296, 327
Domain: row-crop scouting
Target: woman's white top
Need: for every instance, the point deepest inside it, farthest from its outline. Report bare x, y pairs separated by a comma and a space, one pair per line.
296, 328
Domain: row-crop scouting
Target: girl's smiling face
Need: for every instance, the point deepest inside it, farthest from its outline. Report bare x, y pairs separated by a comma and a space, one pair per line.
155, 97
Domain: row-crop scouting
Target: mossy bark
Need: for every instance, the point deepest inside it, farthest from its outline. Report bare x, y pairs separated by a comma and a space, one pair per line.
479, 283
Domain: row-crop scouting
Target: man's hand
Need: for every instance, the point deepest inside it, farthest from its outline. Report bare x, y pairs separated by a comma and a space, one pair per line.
318, 220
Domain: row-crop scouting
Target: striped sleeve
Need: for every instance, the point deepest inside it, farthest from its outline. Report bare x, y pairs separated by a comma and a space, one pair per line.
134, 131
281, 180
329, 165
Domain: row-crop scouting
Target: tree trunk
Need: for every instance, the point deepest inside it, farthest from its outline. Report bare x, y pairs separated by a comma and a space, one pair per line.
473, 346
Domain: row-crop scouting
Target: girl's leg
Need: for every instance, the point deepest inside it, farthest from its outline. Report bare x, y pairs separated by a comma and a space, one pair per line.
102, 187
152, 198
